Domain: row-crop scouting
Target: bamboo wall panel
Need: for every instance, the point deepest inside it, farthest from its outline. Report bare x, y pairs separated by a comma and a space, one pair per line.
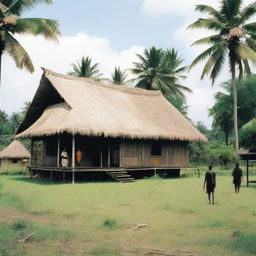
173, 153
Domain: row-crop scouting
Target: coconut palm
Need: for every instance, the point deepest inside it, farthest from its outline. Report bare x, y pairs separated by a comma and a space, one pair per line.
11, 24
85, 68
158, 69
118, 76
234, 40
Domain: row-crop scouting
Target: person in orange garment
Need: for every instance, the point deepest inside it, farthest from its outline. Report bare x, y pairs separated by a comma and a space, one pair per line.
79, 156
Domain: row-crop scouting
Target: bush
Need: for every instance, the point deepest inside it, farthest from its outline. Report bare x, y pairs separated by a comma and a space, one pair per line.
19, 225
110, 223
248, 135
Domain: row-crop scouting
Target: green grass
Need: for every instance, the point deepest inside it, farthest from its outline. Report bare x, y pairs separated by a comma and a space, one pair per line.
97, 218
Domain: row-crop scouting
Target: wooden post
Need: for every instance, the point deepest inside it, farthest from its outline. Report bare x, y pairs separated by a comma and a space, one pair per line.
247, 172
73, 159
58, 152
32, 152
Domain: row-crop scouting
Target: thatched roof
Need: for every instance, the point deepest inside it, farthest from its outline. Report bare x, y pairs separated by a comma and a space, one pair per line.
82, 106
15, 150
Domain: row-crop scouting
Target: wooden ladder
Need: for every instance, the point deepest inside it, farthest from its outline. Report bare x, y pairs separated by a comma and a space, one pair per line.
120, 175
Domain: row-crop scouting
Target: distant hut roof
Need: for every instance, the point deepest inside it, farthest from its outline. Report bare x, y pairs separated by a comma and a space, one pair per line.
82, 106
15, 150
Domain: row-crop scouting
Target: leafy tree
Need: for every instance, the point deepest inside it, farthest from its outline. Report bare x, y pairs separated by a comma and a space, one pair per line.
222, 113
233, 39
179, 103
160, 69
14, 122
222, 109
85, 68
3, 123
118, 76
11, 23
248, 135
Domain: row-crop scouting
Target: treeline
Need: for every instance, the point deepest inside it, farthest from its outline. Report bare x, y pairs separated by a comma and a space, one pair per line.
220, 148
9, 124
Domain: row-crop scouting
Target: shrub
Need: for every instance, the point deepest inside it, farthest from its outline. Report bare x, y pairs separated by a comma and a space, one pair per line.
19, 225
248, 135
110, 223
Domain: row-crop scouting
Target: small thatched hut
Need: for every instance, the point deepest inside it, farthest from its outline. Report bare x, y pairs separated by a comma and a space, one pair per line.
14, 157
114, 126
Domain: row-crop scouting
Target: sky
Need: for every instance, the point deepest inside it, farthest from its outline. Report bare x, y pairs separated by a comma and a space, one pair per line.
111, 32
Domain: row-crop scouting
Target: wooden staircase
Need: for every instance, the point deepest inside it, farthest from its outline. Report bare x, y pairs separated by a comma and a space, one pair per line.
120, 175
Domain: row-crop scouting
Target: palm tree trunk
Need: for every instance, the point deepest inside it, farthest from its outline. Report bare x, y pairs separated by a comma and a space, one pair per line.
233, 82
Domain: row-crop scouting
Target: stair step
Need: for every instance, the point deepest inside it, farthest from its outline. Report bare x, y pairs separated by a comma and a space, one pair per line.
126, 181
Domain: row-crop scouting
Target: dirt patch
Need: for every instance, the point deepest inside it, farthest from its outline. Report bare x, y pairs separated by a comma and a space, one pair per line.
8, 215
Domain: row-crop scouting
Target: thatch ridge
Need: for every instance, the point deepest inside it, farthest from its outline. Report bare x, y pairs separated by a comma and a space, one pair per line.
119, 87
96, 109
15, 150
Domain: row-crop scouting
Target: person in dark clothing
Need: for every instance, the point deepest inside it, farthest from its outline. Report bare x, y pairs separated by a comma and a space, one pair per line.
210, 182
237, 177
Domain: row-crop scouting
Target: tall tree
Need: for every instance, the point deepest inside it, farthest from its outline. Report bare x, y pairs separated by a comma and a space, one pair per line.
233, 39
11, 24
85, 68
222, 113
160, 69
14, 122
118, 76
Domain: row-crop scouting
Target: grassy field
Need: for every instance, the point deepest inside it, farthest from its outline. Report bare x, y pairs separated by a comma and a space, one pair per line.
97, 218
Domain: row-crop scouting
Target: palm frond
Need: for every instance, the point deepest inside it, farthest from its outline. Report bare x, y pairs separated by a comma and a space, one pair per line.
247, 53
203, 55
17, 7
37, 26
210, 10
208, 40
247, 12
18, 53
210, 24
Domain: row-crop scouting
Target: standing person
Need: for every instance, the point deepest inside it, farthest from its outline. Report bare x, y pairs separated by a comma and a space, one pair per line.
79, 156
210, 181
64, 158
237, 177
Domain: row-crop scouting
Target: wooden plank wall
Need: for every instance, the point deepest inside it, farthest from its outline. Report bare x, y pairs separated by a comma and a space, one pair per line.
137, 153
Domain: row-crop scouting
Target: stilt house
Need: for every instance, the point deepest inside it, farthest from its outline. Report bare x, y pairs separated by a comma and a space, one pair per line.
118, 129
14, 157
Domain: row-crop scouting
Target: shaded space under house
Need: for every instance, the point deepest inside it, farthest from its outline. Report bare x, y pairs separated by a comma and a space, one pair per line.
123, 132
248, 157
14, 157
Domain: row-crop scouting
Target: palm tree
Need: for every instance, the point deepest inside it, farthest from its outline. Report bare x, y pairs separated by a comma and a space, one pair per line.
234, 39
11, 24
158, 69
221, 112
85, 68
118, 76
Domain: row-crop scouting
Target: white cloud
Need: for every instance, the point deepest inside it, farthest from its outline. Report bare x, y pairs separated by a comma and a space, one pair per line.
18, 86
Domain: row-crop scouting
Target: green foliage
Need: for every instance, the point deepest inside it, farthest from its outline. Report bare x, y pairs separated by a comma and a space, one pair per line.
110, 223
214, 152
119, 76
85, 68
11, 23
160, 69
248, 135
19, 225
